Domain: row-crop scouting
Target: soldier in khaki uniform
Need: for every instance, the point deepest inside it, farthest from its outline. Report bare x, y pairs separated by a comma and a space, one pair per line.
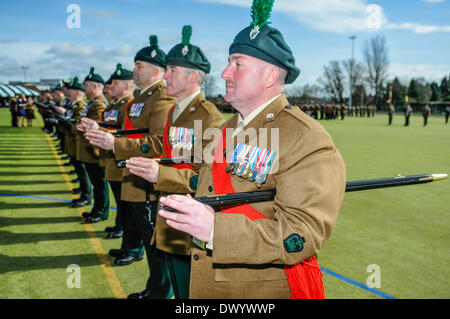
120, 89
187, 67
267, 249
78, 104
89, 155
149, 110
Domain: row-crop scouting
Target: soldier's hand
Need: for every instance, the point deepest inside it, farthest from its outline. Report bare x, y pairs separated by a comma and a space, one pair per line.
101, 139
89, 124
146, 168
193, 217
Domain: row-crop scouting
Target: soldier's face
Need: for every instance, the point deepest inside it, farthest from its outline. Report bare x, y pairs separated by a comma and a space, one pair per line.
142, 74
177, 80
243, 79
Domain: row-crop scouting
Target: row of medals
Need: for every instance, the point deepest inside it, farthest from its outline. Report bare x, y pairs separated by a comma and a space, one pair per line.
181, 138
251, 162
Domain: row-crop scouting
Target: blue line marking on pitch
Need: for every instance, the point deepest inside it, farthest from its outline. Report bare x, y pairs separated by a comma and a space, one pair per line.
43, 198
324, 270
357, 284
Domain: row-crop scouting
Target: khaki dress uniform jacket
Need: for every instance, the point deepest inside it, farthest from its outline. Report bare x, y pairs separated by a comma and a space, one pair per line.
173, 180
70, 144
247, 259
87, 153
112, 172
156, 106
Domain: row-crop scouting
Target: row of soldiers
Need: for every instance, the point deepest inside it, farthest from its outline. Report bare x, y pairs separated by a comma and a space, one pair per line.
335, 111
161, 93
266, 249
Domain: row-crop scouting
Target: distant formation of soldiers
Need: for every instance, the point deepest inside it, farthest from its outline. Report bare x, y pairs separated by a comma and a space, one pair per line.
336, 111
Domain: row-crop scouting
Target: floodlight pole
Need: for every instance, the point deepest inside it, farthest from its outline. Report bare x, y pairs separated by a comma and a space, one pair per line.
351, 73
25, 68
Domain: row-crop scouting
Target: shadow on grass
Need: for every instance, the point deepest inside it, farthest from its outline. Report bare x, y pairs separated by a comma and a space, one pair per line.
28, 173
39, 192
27, 263
9, 238
13, 221
33, 205
40, 182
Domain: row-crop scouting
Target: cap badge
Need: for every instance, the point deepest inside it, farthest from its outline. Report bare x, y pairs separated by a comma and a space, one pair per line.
254, 32
119, 72
153, 54
185, 50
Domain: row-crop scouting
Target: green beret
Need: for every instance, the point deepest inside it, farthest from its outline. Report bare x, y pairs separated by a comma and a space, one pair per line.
121, 74
109, 81
75, 84
152, 54
188, 55
93, 77
266, 43
58, 87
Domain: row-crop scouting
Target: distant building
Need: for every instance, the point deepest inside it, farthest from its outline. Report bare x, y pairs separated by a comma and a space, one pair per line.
42, 85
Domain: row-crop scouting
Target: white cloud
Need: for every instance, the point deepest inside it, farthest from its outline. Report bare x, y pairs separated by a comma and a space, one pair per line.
339, 16
430, 72
434, 1
68, 49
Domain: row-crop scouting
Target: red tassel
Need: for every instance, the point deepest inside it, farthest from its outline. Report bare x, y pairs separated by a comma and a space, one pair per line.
305, 279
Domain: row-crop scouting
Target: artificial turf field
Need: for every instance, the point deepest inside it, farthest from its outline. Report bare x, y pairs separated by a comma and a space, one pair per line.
405, 231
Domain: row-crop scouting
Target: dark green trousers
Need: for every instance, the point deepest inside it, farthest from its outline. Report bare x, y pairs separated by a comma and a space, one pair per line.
101, 189
179, 267
138, 232
83, 178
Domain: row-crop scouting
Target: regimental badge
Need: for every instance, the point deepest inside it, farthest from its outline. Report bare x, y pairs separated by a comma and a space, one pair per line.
181, 138
119, 72
111, 115
136, 110
251, 162
153, 53
185, 50
254, 32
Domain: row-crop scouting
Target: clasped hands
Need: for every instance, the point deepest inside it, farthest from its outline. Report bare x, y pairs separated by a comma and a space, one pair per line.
96, 137
192, 217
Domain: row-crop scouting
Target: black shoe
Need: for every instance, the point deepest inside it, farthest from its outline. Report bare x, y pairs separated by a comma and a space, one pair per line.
87, 215
81, 203
76, 191
126, 260
140, 295
117, 252
94, 219
112, 229
114, 235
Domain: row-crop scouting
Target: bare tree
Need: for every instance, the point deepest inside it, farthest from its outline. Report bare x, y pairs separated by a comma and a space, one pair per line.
355, 72
209, 85
376, 58
332, 81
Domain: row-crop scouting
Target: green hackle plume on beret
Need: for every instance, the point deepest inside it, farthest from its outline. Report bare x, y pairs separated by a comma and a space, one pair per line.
261, 12
93, 77
186, 34
188, 55
121, 73
152, 54
75, 84
264, 42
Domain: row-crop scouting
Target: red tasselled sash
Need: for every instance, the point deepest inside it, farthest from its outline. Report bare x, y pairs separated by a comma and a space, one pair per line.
167, 148
305, 277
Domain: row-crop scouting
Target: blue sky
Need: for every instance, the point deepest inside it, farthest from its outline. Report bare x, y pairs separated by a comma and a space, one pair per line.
35, 34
